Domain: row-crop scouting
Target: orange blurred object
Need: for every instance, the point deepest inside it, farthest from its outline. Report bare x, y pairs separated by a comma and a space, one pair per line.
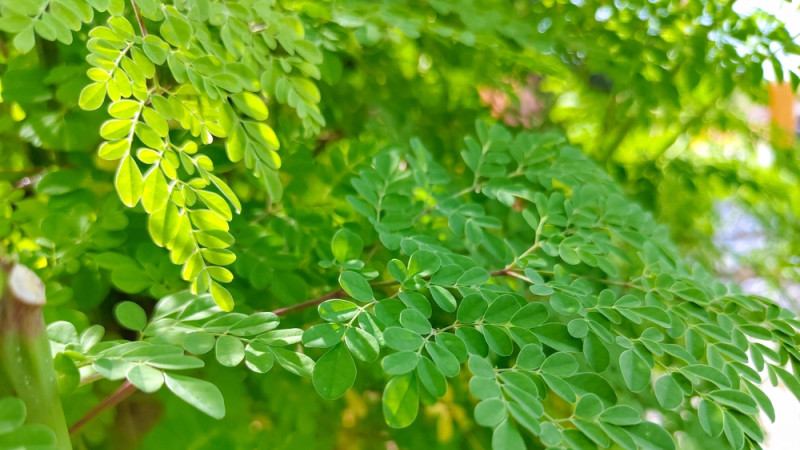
781, 104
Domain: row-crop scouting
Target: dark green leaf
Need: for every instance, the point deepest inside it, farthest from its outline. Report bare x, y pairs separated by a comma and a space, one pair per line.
401, 401
334, 373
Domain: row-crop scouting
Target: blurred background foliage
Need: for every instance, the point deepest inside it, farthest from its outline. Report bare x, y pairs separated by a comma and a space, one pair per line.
661, 93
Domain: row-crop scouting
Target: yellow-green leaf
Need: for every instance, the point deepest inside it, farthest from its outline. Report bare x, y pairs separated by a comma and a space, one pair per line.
155, 192
113, 150
216, 203
129, 181
221, 296
251, 104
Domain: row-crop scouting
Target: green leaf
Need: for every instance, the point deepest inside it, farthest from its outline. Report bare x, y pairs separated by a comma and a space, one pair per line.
356, 286
255, 324
621, 415
154, 191
596, 353
443, 298
334, 373
551, 435
116, 129
413, 320
175, 362
361, 344
530, 315
226, 191
484, 388
588, 435
25, 40
590, 406
560, 364
501, 310
707, 373
258, 357
565, 304
668, 392
498, 340
198, 393
296, 363
733, 431
763, 401
401, 339
12, 414
471, 308
346, 245
323, 335
129, 181
474, 276
635, 371
112, 369
131, 316
416, 301
337, 310
790, 381
282, 337
32, 436
92, 96
431, 378
230, 351
400, 362
490, 412
735, 399
423, 263
711, 419
199, 342
557, 336
215, 203
591, 383
619, 436
651, 436
221, 296
530, 357
401, 400
252, 105
474, 340
444, 360
506, 437
145, 378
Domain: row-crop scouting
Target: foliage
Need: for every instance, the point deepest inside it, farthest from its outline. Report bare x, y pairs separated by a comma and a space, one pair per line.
15, 433
229, 159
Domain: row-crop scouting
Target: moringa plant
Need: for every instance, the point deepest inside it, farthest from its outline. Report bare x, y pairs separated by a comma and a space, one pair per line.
296, 187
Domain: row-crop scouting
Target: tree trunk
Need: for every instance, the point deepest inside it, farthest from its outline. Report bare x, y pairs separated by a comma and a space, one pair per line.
26, 363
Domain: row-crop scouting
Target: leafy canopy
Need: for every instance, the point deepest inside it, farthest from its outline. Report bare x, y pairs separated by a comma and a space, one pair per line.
229, 159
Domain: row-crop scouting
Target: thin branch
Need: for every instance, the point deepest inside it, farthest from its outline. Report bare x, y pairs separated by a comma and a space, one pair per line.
505, 272
124, 391
91, 379
139, 18
309, 303
331, 295
511, 273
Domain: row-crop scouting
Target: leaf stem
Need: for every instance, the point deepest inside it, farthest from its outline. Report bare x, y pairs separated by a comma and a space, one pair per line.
139, 18
123, 392
505, 272
309, 303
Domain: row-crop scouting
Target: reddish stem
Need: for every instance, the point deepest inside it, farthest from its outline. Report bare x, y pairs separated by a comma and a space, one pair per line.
309, 303
139, 18
124, 391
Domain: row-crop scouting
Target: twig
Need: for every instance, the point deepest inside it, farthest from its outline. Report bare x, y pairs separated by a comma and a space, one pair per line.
328, 296
139, 18
309, 303
505, 272
124, 391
